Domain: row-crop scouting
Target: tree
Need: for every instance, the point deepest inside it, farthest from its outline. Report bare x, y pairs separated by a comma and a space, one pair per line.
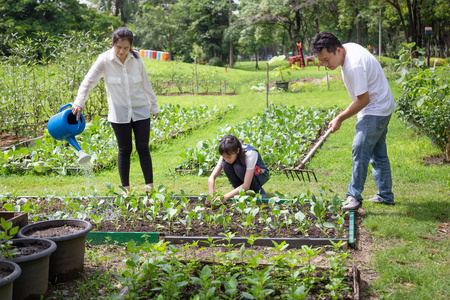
414, 15
24, 18
253, 39
125, 9
160, 25
294, 17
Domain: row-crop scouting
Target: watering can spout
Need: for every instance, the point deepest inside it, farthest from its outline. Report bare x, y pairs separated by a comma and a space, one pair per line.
83, 158
65, 126
71, 140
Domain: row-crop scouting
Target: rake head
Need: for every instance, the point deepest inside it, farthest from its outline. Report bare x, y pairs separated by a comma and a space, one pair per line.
297, 171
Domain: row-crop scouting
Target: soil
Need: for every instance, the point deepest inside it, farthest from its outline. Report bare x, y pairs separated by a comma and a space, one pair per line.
360, 257
204, 255
202, 229
28, 250
8, 139
436, 159
5, 272
56, 231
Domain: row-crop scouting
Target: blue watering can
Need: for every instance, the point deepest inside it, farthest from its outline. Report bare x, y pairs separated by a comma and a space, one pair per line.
64, 126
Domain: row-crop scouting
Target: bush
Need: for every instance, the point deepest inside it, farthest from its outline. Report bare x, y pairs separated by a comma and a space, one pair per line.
425, 103
216, 62
439, 61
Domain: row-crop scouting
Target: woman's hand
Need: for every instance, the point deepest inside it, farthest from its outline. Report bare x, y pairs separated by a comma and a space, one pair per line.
155, 116
76, 110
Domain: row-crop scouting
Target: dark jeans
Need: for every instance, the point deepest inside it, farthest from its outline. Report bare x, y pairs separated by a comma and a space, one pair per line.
123, 132
236, 173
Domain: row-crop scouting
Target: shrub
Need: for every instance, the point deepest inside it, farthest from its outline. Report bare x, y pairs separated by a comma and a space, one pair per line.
425, 101
439, 61
216, 62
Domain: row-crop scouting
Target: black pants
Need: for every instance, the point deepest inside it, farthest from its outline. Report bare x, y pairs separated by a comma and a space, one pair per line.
236, 173
123, 132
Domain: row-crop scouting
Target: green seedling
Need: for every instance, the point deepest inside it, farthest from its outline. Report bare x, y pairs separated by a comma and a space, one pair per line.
7, 250
260, 284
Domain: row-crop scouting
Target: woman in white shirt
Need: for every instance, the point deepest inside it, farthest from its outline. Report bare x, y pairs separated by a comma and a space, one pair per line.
130, 100
243, 166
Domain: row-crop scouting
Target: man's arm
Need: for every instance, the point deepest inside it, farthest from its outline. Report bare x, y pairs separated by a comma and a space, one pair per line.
354, 108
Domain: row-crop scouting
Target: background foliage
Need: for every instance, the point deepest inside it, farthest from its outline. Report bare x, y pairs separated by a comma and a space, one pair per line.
234, 30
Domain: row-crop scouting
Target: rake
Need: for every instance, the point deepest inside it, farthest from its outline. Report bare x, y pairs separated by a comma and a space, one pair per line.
299, 169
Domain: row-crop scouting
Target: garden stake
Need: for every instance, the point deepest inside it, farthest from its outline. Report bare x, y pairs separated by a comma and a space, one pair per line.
299, 169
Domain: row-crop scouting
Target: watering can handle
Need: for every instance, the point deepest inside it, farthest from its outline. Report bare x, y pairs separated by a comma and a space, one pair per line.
65, 106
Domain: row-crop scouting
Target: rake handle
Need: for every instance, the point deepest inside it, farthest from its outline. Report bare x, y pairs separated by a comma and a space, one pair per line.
313, 149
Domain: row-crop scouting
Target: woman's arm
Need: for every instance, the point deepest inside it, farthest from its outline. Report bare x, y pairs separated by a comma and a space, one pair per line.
89, 82
248, 177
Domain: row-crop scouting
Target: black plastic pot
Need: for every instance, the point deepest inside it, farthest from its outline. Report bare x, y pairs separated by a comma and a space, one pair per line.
6, 283
67, 262
33, 281
282, 85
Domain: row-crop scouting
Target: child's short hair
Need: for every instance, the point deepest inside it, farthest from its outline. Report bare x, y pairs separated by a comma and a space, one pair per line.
230, 144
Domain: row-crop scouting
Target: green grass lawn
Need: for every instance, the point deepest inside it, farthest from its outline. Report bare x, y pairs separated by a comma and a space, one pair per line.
410, 240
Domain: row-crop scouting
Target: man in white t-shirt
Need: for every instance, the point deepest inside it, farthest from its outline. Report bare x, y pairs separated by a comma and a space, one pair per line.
373, 103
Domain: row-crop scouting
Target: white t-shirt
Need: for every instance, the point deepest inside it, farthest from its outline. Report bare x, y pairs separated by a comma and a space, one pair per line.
362, 72
250, 159
128, 87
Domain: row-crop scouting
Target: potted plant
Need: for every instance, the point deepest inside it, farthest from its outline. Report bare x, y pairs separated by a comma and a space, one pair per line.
32, 256
9, 272
67, 262
283, 72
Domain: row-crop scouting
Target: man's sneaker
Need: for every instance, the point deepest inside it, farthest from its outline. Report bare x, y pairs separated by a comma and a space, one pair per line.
379, 201
353, 204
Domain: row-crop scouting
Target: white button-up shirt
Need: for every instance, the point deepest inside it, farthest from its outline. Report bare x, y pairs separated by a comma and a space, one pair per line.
129, 91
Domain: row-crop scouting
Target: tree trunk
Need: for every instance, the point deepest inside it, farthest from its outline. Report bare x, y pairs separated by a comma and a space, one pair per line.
230, 14
397, 7
358, 32
349, 36
316, 19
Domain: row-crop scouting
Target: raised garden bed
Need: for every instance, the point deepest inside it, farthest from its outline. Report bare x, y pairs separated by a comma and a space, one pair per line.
240, 258
186, 219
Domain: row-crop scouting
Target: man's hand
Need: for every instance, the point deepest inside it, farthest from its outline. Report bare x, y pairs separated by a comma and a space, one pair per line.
335, 124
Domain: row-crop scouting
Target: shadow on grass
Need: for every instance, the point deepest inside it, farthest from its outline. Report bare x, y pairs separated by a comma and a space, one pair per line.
435, 211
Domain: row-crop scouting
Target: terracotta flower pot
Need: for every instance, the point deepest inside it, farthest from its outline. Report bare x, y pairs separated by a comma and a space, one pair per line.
33, 281
67, 262
11, 271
